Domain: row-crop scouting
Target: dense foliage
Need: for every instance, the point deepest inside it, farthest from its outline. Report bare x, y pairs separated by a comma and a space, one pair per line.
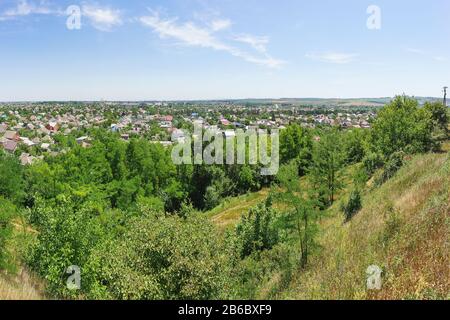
402, 126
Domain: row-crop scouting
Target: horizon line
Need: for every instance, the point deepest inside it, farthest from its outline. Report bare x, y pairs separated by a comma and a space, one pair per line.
207, 100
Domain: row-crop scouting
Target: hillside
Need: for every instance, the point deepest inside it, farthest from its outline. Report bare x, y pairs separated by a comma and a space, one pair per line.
21, 287
403, 228
20, 284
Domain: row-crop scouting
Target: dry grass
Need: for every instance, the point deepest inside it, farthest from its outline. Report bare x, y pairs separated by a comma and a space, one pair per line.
404, 228
20, 287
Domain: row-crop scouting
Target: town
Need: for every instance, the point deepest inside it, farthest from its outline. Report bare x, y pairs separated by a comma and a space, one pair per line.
33, 130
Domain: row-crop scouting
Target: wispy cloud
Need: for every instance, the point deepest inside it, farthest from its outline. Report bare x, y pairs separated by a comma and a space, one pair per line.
440, 59
415, 51
220, 24
258, 43
333, 57
102, 18
26, 8
191, 34
426, 54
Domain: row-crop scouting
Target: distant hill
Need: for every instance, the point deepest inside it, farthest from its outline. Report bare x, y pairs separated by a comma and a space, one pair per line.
356, 102
311, 102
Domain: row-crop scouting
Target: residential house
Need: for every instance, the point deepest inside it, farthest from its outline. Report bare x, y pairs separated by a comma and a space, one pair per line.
27, 142
26, 159
178, 136
3, 128
52, 126
45, 146
11, 135
10, 146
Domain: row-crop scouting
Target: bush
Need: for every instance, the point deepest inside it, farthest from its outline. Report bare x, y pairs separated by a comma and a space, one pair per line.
67, 236
353, 205
372, 162
394, 163
268, 274
11, 178
257, 231
165, 258
354, 145
7, 211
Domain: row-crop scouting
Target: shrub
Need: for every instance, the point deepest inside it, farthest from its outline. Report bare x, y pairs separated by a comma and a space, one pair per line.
394, 163
372, 161
352, 206
7, 211
256, 231
166, 258
67, 236
354, 145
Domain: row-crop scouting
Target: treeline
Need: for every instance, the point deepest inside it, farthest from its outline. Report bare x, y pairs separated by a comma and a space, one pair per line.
133, 222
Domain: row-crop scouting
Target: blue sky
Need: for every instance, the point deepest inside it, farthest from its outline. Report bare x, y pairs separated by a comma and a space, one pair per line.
218, 49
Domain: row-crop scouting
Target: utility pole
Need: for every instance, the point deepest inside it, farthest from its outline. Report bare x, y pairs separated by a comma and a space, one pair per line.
445, 96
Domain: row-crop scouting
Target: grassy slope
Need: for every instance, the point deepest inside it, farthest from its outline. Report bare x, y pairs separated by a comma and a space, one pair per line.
403, 228
21, 285
230, 211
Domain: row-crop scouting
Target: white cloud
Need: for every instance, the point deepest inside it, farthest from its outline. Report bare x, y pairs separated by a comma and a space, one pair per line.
440, 59
220, 24
333, 57
25, 8
258, 43
102, 18
416, 51
191, 34
426, 54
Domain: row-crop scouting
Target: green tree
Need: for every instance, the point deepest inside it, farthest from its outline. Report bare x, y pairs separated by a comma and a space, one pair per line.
401, 126
7, 212
301, 212
257, 230
439, 115
11, 178
296, 144
328, 159
354, 141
